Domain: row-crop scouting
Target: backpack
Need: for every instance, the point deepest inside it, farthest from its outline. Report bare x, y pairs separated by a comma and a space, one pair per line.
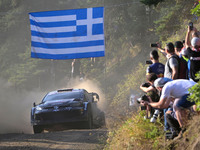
182, 67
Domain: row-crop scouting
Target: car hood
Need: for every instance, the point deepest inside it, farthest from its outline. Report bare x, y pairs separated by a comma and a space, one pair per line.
64, 102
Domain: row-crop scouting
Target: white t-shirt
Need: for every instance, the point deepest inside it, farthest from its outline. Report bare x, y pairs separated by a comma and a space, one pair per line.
176, 88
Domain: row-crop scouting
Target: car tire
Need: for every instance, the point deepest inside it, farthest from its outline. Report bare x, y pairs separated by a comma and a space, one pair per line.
103, 119
89, 123
37, 129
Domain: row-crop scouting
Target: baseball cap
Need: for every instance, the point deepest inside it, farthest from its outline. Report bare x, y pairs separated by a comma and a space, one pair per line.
195, 41
160, 82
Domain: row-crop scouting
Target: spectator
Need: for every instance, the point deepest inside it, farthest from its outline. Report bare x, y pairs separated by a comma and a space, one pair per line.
178, 47
76, 64
173, 123
157, 67
184, 55
182, 63
148, 87
183, 52
171, 69
193, 53
171, 66
151, 91
178, 90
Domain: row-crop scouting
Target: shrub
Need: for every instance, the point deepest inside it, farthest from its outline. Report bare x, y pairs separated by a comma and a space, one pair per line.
195, 93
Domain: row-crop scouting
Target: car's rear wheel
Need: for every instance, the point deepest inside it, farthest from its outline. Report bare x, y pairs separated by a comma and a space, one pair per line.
37, 129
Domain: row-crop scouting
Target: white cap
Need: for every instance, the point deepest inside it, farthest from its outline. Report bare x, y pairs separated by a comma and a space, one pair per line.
195, 41
160, 82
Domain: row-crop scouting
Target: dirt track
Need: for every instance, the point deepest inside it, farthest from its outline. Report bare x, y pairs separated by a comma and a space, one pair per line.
62, 140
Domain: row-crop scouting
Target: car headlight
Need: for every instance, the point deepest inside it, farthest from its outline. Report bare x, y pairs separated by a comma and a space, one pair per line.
38, 108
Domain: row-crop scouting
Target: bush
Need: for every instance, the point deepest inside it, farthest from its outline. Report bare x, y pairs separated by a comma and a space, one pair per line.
136, 133
195, 93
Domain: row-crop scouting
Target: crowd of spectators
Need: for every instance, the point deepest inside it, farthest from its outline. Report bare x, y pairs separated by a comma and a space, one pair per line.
167, 85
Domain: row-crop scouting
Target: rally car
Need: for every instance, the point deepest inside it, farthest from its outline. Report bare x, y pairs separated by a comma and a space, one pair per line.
67, 106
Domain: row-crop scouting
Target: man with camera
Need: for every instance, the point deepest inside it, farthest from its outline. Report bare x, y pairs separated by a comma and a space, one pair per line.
151, 92
155, 70
175, 91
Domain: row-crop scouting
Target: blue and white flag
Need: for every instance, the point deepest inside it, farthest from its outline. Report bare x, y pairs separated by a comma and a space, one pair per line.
67, 34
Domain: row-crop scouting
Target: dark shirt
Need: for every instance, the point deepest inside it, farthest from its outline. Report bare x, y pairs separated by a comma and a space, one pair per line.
156, 68
194, 57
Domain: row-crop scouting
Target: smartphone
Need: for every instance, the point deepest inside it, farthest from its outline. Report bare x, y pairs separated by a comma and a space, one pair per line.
149, 62
154, 45
191, 25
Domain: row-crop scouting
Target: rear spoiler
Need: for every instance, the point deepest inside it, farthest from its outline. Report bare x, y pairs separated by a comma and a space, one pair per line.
64, 90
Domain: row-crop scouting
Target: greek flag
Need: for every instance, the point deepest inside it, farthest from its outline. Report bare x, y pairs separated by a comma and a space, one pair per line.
67, 34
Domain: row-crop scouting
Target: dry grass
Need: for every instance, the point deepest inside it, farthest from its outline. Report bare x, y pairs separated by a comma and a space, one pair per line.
136, 133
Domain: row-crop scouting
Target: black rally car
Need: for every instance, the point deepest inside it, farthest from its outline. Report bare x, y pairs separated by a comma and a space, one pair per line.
67, 106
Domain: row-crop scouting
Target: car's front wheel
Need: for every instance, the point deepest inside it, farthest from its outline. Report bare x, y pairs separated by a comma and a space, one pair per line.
37, 129
89, 122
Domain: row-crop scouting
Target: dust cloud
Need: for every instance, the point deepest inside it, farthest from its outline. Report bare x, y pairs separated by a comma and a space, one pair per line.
90, 86
15, 106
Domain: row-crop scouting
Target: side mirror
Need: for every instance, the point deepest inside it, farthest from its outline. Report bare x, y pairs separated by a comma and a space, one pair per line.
96, 95
34, 104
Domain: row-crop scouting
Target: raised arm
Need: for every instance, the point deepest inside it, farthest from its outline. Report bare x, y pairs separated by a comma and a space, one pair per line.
187, 38
162, 50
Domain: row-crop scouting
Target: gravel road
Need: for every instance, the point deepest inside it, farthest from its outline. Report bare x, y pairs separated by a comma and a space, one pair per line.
75, 139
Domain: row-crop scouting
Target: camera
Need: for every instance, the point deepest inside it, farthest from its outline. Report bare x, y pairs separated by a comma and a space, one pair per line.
155, 116
146, 84
154, 45
144, 98
149, 62
191, 25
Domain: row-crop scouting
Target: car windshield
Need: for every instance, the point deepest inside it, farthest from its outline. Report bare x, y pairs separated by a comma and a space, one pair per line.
62, 95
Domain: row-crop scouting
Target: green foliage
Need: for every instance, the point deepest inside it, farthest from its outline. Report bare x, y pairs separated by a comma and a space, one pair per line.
172, 15
196, 10
23, 72
11, 11
134, 133
165, 23
195, 90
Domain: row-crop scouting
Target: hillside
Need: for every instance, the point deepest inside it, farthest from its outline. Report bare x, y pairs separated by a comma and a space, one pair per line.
190, 140
136, 133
